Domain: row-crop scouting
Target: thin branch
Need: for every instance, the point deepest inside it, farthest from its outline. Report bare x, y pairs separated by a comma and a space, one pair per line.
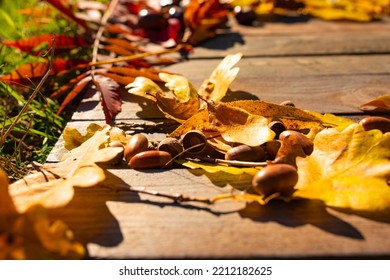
102, 27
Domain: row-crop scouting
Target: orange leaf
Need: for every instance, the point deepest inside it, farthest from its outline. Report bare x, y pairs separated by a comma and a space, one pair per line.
62, 42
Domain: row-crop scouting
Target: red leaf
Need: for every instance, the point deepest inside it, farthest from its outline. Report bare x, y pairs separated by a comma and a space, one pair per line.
37, 70
68, 12
62, 42
111, 97
74, 92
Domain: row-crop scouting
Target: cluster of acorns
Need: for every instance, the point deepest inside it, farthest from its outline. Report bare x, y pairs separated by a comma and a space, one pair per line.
275, 177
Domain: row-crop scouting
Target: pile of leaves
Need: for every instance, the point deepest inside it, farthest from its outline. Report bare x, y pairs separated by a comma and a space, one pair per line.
348, 168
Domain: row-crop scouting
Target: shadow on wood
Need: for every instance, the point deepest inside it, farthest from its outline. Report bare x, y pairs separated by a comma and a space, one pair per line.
298, 213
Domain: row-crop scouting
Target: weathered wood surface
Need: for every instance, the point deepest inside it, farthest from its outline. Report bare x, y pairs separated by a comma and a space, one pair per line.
321, 66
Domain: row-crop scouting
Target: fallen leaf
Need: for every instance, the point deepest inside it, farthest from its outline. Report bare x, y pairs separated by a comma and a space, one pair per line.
214, 168
238, 126
293, 118
180, 103
380, 104
216, 86
348, 169
73, 138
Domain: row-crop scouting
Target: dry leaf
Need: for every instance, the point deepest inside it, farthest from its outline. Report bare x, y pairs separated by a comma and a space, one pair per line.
214, 168
215, 87
348, 169
238, 126
73, 137
179, 104
380, 104
25, 229
292, 118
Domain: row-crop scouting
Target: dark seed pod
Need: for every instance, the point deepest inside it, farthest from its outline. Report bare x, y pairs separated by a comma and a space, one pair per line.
171, 145
245, 153
376, 122
305, 142
276, 178
150, 159
194, 142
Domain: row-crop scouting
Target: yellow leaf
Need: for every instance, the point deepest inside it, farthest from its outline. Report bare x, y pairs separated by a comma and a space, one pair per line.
52, 194
179, 104
340, 123
292, 118
182, 89
238, 126
73, 137
199, 121
144, 87
214, 168
348, 169
380, 104
215, 88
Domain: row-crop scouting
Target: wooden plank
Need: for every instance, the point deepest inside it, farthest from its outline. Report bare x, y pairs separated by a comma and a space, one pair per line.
126, 225
314, 37
120, 224
336, 84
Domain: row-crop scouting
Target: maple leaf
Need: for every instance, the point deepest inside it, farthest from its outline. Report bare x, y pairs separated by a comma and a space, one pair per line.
348, 169
216, 86
380, 104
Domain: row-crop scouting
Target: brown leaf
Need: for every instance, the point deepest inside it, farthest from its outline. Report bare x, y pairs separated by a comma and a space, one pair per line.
380, 104
238, 126
216, 86
293, 118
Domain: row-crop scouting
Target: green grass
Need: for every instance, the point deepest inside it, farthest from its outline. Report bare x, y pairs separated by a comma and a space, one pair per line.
29, 136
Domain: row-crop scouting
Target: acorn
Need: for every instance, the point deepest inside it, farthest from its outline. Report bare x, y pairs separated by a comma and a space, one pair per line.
171, 145
306, 144
137, 143
245, 153
194, 142
376, 122
276, 178
150, 159
272, 147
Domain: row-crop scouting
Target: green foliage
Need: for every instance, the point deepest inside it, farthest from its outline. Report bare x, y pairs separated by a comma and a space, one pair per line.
35, 132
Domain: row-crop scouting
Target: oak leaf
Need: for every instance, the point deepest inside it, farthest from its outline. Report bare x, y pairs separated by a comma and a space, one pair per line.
28, 233
238, 126
348, 169
216, 86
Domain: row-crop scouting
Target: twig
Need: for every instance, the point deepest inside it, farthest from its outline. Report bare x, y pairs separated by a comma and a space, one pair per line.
32, 96
175, 197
